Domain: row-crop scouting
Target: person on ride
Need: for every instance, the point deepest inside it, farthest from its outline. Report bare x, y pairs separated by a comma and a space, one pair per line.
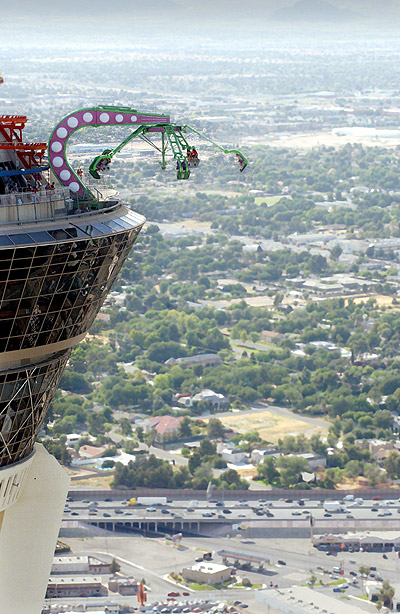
194, 153
241, 161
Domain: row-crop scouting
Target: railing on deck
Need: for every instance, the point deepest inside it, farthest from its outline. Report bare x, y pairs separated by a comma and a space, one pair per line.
23, 206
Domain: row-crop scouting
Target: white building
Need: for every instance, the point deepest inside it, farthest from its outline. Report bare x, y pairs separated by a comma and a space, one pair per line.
207, 573
302, 600
234, 456
213, 398
258, 456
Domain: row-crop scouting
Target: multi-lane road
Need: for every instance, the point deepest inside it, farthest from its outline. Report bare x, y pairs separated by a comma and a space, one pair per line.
195, 516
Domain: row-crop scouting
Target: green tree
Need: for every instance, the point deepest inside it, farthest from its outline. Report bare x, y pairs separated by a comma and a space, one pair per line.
386, 594
291, 468
392, 465
125, 427
185, 428
194, 462
373, 474
114, 567
267, 471
207, 448
215, 429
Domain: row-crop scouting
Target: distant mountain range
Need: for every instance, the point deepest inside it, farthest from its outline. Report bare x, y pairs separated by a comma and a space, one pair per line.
312, 11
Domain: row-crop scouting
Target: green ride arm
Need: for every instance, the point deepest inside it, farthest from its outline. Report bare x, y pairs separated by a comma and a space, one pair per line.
110, 153
206, 138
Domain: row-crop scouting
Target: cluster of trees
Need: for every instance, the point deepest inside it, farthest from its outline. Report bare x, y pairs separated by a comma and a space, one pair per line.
152, 472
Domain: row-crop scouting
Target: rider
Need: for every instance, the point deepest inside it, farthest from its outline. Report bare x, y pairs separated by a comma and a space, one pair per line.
241, 161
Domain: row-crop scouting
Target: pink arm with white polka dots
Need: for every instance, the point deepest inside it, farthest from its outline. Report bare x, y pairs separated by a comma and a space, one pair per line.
97, 116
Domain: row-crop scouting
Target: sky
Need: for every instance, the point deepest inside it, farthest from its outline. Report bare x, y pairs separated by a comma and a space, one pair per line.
24, 10
92, 21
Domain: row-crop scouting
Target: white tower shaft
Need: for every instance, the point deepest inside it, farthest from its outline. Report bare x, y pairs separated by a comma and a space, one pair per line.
28, 533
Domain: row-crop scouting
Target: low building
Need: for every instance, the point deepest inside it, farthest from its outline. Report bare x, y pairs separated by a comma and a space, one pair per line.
234, 456
302, 600
204, 360
270, 336
314, 460
79, 564
369, 541
258, 456
215, 399
165, 427
124, 586
380, 449
74, 586
91, 452
207, 573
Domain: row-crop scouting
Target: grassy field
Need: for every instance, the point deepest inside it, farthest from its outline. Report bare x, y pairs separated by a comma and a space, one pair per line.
271, 427
267, 200
98, 481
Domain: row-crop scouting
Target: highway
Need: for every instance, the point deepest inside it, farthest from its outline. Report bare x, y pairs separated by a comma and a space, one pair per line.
196, 516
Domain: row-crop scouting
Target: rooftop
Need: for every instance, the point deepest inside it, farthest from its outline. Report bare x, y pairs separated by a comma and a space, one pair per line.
208, 567
302, 600
165, 424
75, 580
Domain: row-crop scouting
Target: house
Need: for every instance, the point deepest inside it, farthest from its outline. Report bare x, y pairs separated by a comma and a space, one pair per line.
314, 460
184, 399
165, 427
270, 336
207, 573
380, 449
204, 360
212, 398
234, 456
258, 456
91, 452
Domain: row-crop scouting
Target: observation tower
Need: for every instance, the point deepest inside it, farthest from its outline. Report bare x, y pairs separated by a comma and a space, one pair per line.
59, 255
62, 244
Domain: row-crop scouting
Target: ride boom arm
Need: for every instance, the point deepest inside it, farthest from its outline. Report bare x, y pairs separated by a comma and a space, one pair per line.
206, 138
95, 117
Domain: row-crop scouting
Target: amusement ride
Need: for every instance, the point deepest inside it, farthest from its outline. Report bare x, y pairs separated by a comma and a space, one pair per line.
173, 142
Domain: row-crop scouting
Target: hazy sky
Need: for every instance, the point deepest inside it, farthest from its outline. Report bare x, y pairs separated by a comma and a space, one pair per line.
206, 9
41, 22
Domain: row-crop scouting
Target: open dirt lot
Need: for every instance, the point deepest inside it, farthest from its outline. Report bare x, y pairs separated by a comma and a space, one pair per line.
271, 426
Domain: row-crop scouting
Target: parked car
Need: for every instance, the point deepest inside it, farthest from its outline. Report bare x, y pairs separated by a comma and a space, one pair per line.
280, 562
